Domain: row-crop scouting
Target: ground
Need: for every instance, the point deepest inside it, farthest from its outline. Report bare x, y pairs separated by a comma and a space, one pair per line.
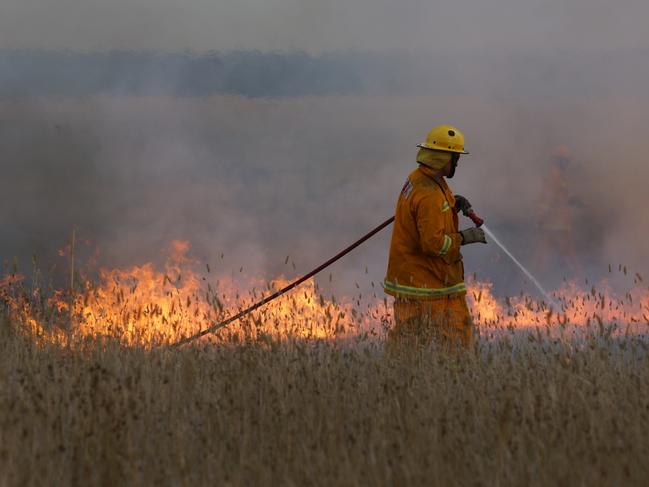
517, 412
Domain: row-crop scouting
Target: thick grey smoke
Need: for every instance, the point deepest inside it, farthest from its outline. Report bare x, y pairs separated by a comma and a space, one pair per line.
134, 149
265, 178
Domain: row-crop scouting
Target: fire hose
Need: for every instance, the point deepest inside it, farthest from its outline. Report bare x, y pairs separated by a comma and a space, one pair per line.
469, 213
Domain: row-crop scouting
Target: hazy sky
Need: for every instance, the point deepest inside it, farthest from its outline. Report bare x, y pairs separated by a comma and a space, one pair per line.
329, 25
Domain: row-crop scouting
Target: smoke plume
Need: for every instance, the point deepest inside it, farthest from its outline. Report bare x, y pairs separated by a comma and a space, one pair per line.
292, 136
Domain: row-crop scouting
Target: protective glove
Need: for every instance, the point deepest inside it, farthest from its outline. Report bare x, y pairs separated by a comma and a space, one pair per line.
462, 204
473, 235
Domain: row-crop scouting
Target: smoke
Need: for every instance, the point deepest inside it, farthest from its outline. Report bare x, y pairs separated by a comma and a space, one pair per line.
260, 179
266, 129
316, 27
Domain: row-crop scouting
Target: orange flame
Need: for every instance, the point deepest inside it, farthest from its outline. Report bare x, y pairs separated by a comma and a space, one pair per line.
144, 306
141, 305
599, 306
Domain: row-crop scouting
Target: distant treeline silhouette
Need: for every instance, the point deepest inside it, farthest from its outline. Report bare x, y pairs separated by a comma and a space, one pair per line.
247, 73
269, 74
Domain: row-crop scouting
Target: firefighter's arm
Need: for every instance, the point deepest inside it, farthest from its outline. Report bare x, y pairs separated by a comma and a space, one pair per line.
429, 211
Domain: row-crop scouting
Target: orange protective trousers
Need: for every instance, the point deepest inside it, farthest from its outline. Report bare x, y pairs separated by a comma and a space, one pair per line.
446, 322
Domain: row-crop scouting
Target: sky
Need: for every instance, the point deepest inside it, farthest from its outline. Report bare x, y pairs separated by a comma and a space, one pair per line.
324, 26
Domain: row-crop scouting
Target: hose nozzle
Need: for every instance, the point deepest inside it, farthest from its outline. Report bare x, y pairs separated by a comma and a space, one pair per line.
469, 213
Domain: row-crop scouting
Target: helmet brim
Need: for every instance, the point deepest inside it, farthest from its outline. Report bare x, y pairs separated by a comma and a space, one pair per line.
424, 146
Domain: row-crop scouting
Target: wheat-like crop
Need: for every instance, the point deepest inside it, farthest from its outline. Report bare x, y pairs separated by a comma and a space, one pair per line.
318, 412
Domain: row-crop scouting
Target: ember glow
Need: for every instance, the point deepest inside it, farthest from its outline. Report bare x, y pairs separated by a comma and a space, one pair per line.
145, 306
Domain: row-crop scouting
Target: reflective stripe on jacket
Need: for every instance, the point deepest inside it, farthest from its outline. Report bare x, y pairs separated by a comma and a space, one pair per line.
425, 260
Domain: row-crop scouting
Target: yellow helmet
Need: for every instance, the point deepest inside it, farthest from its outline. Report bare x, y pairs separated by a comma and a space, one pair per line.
446, 138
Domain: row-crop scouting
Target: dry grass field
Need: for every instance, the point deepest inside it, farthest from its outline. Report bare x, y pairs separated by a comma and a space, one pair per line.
295, 412
290, 397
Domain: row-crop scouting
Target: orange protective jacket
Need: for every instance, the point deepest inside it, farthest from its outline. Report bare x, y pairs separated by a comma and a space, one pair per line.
425, 260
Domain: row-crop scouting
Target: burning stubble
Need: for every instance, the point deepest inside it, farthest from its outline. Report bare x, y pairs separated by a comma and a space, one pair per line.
143, 306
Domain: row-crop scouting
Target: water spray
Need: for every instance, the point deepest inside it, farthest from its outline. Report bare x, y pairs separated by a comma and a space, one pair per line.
479, 222
529, 275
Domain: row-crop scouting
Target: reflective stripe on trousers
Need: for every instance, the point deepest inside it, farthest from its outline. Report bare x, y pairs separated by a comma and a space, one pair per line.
424, 292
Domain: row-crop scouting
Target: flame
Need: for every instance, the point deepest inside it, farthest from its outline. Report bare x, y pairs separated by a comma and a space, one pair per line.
143, 305
599, 306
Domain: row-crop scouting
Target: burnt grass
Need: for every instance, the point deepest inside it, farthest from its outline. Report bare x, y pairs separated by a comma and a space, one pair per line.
516, 412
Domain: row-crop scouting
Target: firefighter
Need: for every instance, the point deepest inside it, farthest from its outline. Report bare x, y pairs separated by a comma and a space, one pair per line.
425, 271
558, 212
